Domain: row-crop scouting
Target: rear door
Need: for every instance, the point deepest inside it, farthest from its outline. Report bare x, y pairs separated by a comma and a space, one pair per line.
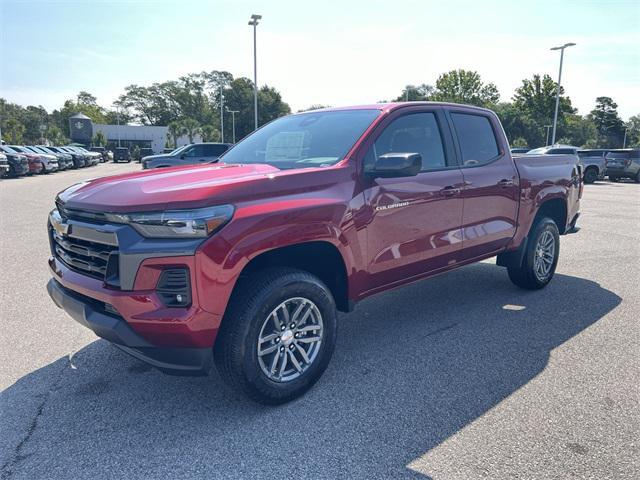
415, 221
491, 189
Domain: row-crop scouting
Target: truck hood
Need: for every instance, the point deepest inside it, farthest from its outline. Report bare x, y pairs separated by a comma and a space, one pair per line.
171, 188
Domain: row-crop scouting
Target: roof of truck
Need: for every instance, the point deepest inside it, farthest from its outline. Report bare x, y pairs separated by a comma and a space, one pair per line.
389, 106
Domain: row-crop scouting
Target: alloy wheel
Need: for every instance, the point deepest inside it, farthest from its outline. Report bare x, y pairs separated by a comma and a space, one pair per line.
290, 339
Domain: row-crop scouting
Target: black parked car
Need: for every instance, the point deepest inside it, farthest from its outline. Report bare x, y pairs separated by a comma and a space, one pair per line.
18, 164
187, 155
145, 152
78, 158
121, 154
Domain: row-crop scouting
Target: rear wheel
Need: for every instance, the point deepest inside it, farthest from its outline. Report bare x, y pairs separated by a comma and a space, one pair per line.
277, 336
637, 179
590, 175
540, 258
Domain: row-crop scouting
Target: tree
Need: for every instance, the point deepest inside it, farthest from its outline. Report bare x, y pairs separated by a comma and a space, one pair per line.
190, 128
609, 126
519, 142
535, 102
633, 131
315, 106
55, 135
174, 131
12, 131
464, 86
413, 93
99, 140
210, 133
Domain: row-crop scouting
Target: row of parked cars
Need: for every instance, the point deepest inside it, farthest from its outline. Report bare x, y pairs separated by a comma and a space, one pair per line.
597, 163
19, 160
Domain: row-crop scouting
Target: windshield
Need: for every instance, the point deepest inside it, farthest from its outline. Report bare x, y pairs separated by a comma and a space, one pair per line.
4, 148
315, 139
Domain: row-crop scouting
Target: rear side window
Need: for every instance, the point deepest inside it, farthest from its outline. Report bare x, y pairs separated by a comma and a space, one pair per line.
477, 141
214, 150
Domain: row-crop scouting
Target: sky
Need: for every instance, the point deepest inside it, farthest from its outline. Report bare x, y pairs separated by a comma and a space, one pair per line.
317, 52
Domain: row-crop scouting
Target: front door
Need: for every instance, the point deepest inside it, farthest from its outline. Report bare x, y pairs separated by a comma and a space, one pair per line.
415, 221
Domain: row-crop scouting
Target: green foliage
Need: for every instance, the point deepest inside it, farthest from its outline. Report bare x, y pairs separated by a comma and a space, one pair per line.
413, 93
465, 86
174, 131
190, 128
609, 126
633, 131
55, 135
519, 142
209, 133
12, 131
135, 152
99, 140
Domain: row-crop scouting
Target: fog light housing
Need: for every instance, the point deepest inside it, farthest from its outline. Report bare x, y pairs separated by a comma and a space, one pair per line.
174, 287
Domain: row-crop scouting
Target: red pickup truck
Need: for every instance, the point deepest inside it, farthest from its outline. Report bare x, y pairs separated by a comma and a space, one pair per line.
245, 262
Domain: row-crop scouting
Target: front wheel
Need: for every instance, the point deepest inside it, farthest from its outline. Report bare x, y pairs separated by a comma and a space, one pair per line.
540, 258
277, 336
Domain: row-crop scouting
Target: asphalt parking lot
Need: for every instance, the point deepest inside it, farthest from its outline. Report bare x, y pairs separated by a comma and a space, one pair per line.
462, 376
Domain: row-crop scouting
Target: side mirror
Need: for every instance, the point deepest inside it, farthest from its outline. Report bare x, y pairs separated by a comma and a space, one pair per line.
396, 164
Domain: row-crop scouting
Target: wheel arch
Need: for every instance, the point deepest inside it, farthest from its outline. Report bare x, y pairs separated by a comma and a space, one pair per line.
319, 257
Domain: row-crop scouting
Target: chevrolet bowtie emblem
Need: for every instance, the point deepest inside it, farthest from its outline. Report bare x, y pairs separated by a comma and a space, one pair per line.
61, 228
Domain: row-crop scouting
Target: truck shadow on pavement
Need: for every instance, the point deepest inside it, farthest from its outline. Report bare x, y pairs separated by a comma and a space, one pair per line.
412, 367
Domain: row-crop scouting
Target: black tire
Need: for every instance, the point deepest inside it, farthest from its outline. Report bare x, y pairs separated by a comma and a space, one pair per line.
637, 179
590, 175
525, 275
254, 299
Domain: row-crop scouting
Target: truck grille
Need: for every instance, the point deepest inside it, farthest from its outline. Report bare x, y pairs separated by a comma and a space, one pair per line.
89, 258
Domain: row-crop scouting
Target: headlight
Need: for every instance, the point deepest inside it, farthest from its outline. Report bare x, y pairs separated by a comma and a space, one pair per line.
198, 223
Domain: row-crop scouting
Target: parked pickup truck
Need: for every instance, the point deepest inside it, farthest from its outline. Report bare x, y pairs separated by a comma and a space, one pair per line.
244, 263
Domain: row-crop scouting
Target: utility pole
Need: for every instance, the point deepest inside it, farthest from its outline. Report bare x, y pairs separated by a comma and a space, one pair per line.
624, 142
254, 23
555, 115
233, 122
221, 115
547, 136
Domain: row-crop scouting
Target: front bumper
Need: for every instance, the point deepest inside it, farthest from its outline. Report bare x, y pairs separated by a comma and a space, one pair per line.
93, 314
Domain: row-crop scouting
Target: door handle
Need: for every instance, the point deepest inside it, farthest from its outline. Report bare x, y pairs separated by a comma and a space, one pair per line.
505, 183
450, 191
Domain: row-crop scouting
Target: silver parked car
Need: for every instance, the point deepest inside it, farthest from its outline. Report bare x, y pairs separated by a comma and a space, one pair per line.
187, 155
623, 164
593, 164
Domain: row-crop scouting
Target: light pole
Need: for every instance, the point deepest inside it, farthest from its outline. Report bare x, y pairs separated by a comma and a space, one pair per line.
547, 136
555, 115
221, 115
233, 122
624, 142
254, 23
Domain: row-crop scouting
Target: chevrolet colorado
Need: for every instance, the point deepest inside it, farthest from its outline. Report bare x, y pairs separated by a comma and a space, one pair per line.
244, 263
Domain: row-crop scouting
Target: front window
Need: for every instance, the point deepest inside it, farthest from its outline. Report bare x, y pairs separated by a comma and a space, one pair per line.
315, 139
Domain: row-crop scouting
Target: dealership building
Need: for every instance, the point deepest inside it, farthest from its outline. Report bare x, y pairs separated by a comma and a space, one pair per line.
83, 130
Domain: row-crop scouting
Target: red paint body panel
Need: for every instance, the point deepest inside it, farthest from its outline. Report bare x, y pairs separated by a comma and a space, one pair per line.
381, 248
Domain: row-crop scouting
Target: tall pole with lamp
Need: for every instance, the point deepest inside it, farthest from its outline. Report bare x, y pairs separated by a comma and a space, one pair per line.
254, 23
555, 115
